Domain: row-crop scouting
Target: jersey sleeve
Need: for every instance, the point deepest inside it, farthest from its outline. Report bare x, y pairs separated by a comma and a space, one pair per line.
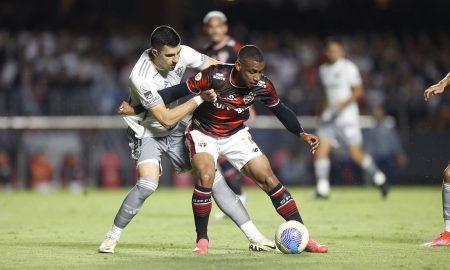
270, 96
201, 81
192, 58
354, 76
147, 93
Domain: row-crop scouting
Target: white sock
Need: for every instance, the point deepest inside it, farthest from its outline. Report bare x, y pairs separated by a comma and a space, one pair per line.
446, 205
252, 233
115, 232
322, 170
447, 225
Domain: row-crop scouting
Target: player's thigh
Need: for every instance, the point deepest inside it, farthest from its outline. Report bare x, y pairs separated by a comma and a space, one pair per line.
203, 153
239, 149
178, 152
327, 138
261, 172
147, 154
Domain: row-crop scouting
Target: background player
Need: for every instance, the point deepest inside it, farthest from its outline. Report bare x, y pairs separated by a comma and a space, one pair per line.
158, 130
224, 48
218, 129
444, 238
340, 127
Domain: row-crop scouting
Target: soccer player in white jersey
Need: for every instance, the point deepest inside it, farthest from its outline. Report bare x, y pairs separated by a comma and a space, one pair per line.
160, 130
340, 126
444, 238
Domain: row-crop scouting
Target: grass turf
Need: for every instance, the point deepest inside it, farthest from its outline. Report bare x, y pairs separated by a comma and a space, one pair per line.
63, 231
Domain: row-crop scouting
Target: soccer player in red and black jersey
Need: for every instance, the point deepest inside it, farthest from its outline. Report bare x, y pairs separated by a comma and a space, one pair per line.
218, 129
224, 48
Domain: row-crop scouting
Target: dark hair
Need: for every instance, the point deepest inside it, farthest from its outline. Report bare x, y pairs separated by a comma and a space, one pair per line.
251, 52
332, 39
164, 35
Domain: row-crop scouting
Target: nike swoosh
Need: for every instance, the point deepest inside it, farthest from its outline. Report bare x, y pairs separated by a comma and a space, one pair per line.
272, 247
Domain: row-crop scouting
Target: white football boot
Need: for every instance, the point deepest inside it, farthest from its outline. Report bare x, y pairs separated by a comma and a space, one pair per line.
108, 245
263, 246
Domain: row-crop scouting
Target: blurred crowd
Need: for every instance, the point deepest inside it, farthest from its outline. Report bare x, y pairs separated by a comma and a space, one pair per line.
62, 73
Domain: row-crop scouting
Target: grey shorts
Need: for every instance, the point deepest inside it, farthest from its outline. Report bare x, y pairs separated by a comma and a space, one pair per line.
150, 149
341, 135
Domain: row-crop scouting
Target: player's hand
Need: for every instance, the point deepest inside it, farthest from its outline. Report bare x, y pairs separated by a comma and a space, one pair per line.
209, 95
125, 109
340, 106
310, 139
433, 90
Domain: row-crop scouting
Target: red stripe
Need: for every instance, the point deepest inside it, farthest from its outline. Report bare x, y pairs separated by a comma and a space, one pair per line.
279, 192
201, 194
288, 209
202, 210
191, 141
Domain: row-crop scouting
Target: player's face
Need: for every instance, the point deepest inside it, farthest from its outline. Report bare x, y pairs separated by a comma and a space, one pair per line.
250, 72
333, 52
167, 58
216, 29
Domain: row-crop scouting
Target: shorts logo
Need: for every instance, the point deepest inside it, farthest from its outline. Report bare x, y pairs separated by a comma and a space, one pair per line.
198, 77
255, 150
201, 144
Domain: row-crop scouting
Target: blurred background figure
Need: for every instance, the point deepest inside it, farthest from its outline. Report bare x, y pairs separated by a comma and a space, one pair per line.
6, 171
110, 170
41, 172
383, 144
72, 173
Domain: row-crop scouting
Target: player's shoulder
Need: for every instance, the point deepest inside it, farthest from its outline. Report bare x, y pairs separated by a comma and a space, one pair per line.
220, 71
348, 63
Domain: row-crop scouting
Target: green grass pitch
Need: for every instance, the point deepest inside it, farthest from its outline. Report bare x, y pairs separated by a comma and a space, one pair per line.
63, 231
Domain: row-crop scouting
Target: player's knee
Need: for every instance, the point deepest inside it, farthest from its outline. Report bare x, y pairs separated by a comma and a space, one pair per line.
145, 188
447, 174
206, 177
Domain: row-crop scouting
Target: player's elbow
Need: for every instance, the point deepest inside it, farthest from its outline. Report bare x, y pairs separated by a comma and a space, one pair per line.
167, 123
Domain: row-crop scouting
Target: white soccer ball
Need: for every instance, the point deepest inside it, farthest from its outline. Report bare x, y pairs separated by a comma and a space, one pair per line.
291, 237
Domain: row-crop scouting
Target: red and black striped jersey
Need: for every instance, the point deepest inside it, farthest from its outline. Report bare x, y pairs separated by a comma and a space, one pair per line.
227, 116
226, 51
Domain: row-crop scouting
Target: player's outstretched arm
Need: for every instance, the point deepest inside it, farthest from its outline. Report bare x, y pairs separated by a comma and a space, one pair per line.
210, 62
288, 118
437, 88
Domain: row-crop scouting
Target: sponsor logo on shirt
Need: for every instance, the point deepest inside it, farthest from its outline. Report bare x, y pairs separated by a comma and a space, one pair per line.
202, 144
261, 84
219, 76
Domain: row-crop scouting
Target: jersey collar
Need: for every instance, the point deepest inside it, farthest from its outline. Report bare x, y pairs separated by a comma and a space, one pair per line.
232, 80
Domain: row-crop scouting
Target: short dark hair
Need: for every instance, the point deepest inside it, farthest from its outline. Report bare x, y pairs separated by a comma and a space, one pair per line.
164, 35
251, 52
333, 39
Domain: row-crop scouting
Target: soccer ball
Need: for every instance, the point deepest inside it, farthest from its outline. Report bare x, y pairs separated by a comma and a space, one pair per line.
291, 237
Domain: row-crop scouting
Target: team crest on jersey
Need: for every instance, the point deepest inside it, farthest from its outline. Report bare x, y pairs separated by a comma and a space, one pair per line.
198, 77
249, 97
201, 144
179, 71
219, 76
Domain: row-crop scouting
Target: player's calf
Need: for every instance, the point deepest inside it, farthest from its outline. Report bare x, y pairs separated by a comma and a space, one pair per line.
201, 206
284, 203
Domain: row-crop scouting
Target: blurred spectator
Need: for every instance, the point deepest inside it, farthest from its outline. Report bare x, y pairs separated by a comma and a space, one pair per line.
72, 173
6, 170
40, 172
383, 143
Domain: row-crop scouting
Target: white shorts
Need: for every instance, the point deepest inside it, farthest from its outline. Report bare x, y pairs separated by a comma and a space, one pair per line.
341, 135
238, 149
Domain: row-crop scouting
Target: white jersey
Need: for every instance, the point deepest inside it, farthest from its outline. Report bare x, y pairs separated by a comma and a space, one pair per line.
338, 80
144, 83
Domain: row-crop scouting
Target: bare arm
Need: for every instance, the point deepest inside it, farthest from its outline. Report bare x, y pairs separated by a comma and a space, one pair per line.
437, 88
170, 117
